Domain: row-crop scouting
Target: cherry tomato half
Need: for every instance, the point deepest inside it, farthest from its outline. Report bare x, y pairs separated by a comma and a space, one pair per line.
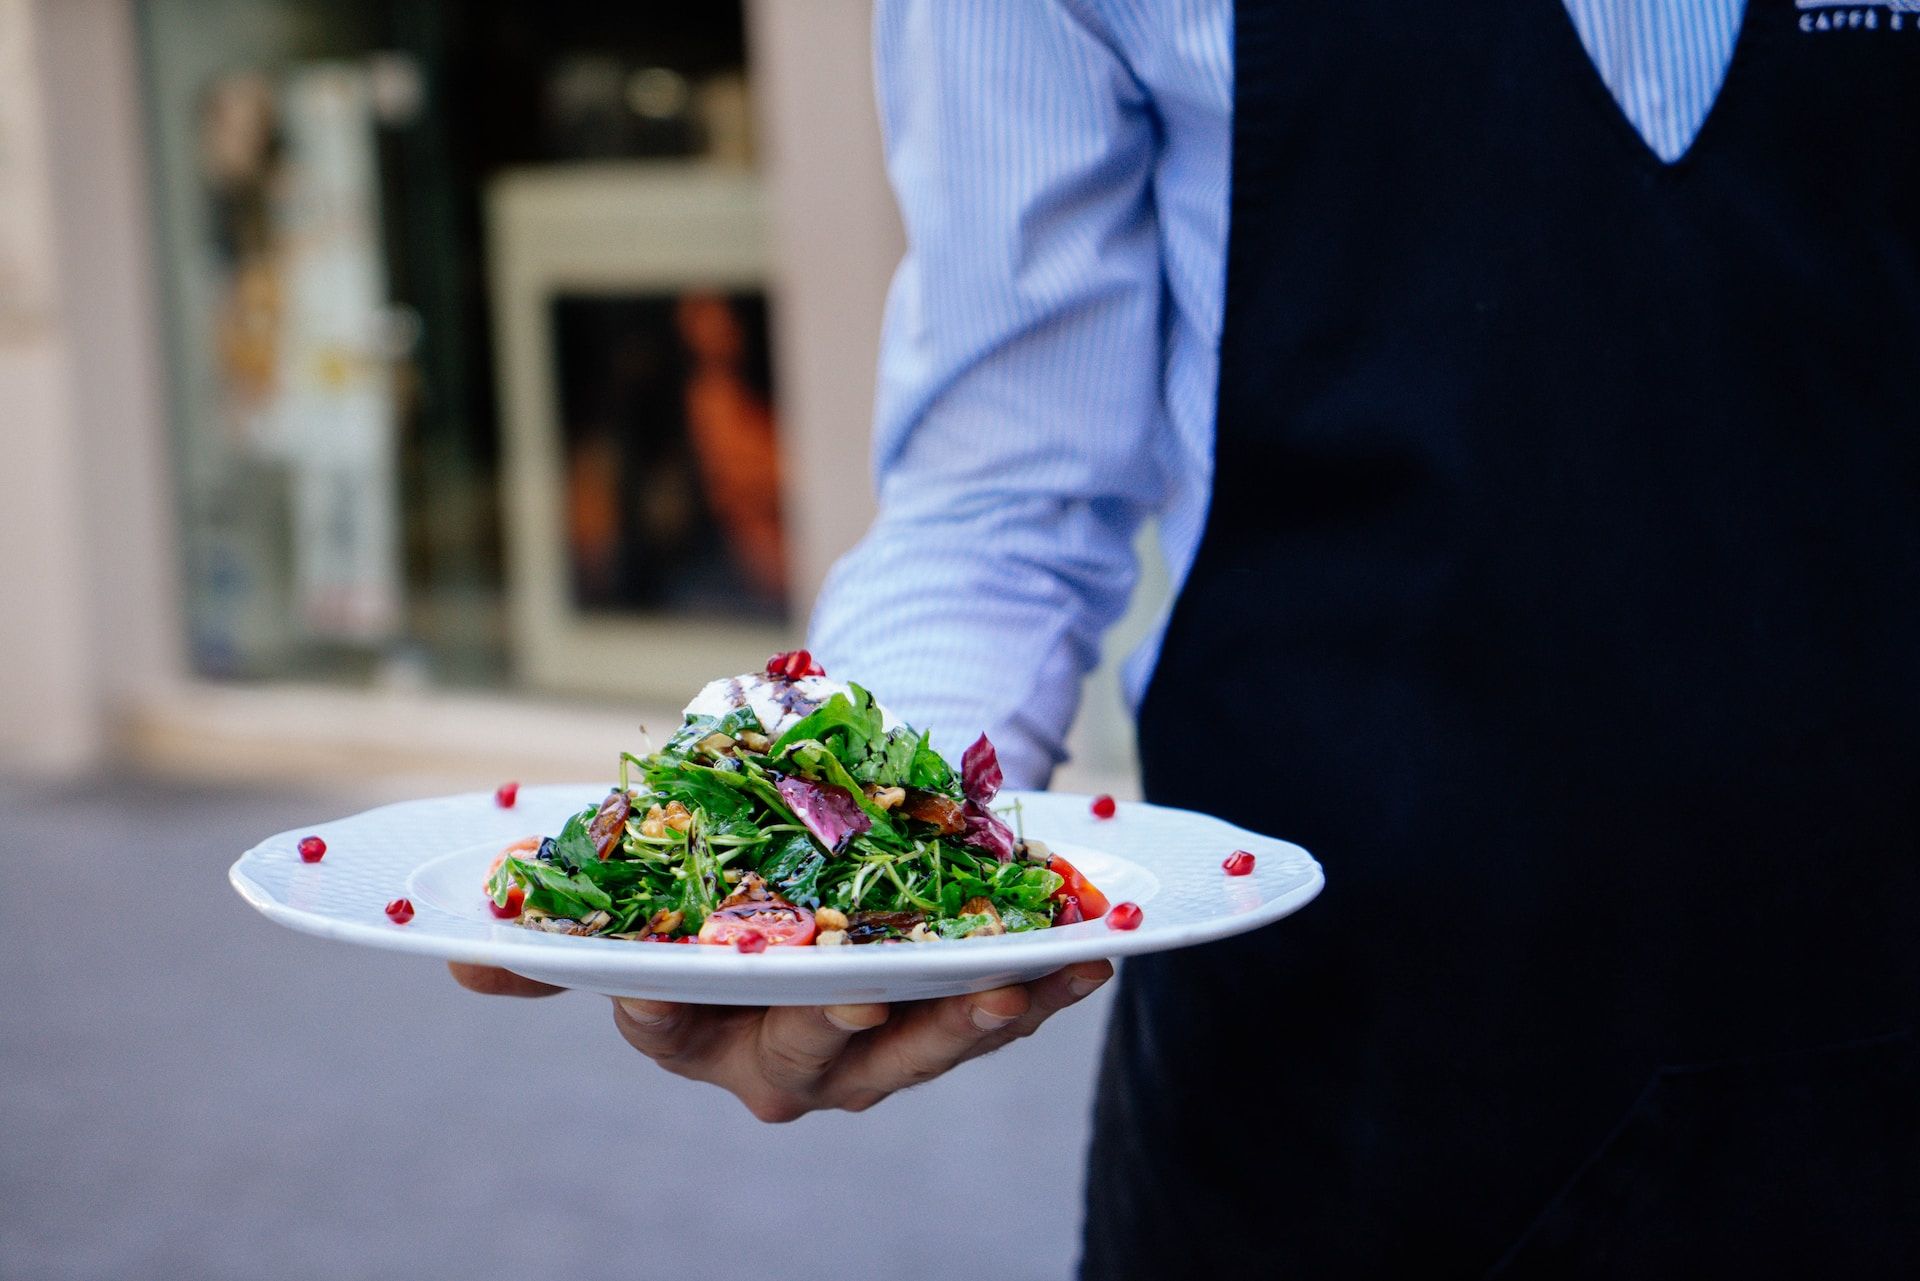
1093, 904
781, 924
524, 845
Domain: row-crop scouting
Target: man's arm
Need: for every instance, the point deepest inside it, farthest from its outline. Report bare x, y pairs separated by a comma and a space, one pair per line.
1019, 410
1020, 404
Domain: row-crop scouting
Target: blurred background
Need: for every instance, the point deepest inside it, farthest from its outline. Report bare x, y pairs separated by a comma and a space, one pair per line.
400, 396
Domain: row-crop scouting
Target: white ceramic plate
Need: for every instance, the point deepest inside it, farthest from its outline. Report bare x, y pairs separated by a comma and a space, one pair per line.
436, 853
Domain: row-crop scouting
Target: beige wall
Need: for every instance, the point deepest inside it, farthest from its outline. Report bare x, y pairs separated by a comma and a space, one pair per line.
85, 571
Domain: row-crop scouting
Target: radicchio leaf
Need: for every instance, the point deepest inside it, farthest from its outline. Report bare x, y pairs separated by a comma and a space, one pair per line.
829, 812
980, 776
986, 832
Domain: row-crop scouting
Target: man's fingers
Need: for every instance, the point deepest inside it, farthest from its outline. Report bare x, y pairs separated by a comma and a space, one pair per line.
489, 981
797, 1044
664, 1032
1062, 988
921, 1043
1047, 997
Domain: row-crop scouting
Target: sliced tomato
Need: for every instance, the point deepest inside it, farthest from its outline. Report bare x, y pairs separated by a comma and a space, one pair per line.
1092, 902
524, 845
781, 923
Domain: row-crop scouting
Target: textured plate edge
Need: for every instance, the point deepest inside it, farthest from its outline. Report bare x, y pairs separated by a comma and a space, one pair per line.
931, 961
1112, 945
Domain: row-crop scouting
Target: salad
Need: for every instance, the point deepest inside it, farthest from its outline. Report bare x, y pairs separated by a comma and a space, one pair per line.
791, 810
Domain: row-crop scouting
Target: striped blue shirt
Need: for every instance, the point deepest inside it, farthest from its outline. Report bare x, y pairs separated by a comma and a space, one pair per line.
1052, 336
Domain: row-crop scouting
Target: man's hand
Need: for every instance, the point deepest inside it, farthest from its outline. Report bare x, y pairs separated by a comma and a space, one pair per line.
786, 1061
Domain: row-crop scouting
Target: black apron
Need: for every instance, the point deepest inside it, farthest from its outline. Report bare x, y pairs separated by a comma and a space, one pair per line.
1561, 592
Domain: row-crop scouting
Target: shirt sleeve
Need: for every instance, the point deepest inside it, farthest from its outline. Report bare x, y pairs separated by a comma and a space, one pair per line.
1020, 415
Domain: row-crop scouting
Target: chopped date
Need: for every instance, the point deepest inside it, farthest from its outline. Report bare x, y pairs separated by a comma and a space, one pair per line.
931, 807
881, 927
610, 823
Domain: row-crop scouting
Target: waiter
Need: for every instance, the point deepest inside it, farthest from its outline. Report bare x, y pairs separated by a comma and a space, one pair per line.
1538, 456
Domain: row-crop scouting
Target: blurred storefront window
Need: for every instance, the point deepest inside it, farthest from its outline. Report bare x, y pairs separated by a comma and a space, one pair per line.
468, 338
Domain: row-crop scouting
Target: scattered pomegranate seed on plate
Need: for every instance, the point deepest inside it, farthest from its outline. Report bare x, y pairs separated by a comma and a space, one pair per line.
1239, 863
751, 942
400, 911
311, 849
1103, 806
1124, 916
506, 794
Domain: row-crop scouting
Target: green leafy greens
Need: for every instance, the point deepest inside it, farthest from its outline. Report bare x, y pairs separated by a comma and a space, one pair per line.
838, 812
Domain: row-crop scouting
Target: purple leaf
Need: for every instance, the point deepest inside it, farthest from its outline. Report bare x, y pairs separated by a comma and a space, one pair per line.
980, 775
985, 831
829, 812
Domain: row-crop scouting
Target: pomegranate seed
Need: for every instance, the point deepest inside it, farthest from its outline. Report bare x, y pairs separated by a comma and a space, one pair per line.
516, 899
400, 911
311, 849
506, 794
1124, 916
1239, 863
751, 942
1069, 911
793, 664
1103, 806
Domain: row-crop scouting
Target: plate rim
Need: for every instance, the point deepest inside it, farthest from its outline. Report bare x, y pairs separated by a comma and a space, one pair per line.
944, 959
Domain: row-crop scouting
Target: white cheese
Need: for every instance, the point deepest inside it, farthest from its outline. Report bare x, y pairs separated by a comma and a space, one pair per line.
777, 704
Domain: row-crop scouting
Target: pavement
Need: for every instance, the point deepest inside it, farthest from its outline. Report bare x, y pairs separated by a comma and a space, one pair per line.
193, 1092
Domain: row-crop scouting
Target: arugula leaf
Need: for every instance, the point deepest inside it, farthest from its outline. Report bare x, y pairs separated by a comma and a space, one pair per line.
695, 890
615, 875
1024, 885
954, 927
739, 721
691, 731
844, 725
1017, 919
929, 769
574, 848
552, 890
751, 778
889, 760
698, 788
500, 883
794, 869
